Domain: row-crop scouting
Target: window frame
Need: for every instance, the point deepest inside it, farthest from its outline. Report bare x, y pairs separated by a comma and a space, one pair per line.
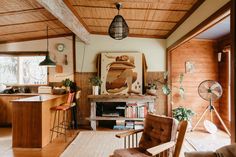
26, 54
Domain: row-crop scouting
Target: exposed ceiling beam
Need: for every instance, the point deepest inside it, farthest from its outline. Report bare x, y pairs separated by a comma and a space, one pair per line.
59, 9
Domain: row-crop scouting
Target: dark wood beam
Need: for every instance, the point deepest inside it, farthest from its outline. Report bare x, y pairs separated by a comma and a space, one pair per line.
195, 6
24, 23
220, 14
74, 52
129, 8
233, 72
23, 53
36, 38
22, 11
32, 31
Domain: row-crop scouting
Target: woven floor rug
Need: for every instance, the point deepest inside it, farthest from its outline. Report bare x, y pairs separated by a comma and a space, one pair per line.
203, 141
93, 144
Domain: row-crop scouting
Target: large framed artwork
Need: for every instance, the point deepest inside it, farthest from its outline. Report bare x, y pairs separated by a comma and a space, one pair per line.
121, 72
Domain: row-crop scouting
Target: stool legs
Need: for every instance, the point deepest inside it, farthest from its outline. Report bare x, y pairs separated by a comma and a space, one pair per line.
54, 122
64, 123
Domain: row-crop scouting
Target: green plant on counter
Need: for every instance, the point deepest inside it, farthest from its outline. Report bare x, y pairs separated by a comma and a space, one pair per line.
95, 81
67, 82
181, 113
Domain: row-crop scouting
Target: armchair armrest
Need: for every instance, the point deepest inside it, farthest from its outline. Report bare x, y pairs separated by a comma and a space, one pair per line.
128, 133
160, 148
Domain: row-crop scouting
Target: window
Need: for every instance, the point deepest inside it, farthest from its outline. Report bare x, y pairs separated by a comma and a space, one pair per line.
22, 70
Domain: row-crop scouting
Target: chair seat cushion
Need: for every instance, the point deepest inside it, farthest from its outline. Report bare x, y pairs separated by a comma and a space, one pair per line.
200, 154
131, 152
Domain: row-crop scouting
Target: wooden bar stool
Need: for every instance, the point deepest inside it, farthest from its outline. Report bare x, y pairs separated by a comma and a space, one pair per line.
62, 126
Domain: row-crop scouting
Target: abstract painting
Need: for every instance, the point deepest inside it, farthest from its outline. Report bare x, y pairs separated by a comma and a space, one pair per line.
121, 73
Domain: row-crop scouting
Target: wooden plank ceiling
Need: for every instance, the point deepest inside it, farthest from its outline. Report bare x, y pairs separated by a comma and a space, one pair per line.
145, 18
22, 20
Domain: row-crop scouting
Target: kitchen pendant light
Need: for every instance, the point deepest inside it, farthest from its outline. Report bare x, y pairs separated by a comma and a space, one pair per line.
118, 28
47, 61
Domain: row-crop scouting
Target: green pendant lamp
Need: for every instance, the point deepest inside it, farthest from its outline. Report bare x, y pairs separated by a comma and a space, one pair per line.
47, 61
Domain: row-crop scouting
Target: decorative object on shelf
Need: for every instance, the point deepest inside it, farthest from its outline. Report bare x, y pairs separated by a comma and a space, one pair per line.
151, 89
121, 73
47, 61
59, 68
96, 83
210, 90
189, 67
118, 28
60, 47
65, 60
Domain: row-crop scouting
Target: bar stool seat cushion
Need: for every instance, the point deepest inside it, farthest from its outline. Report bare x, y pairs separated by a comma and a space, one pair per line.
61, 107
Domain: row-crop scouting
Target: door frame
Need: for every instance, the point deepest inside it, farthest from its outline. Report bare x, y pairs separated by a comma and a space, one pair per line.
219, 15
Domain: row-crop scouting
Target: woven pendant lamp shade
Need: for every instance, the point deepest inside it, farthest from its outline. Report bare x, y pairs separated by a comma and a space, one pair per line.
118, 28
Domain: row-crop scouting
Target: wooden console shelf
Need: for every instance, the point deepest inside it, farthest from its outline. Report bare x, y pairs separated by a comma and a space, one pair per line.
117, 98
113, 118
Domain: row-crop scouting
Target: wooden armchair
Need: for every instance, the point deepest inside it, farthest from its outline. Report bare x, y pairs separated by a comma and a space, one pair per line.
158, 138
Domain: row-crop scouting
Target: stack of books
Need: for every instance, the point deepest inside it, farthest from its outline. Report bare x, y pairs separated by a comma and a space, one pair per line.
136, 111
129, 124
110, 114
120, 125
138, 125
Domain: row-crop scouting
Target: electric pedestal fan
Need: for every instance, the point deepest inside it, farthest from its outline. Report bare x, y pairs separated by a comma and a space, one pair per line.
210, 90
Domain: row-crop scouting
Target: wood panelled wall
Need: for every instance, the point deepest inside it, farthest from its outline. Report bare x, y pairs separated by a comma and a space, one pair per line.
202, 54
82, 80
224, 79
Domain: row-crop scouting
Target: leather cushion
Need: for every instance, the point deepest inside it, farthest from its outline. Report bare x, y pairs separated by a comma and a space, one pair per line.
200, 154
158, 130
227, 151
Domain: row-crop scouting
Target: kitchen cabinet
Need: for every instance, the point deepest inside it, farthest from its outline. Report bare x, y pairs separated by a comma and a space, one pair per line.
6, 107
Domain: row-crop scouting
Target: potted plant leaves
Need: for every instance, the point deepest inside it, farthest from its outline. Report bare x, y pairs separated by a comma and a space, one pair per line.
67, 83
96, 83
151, 89
180, 113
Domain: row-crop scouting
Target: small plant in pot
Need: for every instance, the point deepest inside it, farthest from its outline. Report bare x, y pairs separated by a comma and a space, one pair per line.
180, 113
96, 83
67, 83
151, 89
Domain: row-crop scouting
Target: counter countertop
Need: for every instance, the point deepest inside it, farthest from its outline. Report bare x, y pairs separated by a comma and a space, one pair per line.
39, 98
20, 94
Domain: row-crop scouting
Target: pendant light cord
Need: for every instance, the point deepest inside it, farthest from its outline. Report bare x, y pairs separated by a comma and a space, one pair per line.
47, 39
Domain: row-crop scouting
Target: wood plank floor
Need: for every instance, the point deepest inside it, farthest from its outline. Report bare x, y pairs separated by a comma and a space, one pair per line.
55, 148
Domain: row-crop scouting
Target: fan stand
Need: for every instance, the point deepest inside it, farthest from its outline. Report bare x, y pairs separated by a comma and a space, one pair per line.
212, 108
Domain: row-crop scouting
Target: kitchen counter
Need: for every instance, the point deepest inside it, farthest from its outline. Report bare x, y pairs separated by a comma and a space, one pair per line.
20, 94
38, 98
32, 120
